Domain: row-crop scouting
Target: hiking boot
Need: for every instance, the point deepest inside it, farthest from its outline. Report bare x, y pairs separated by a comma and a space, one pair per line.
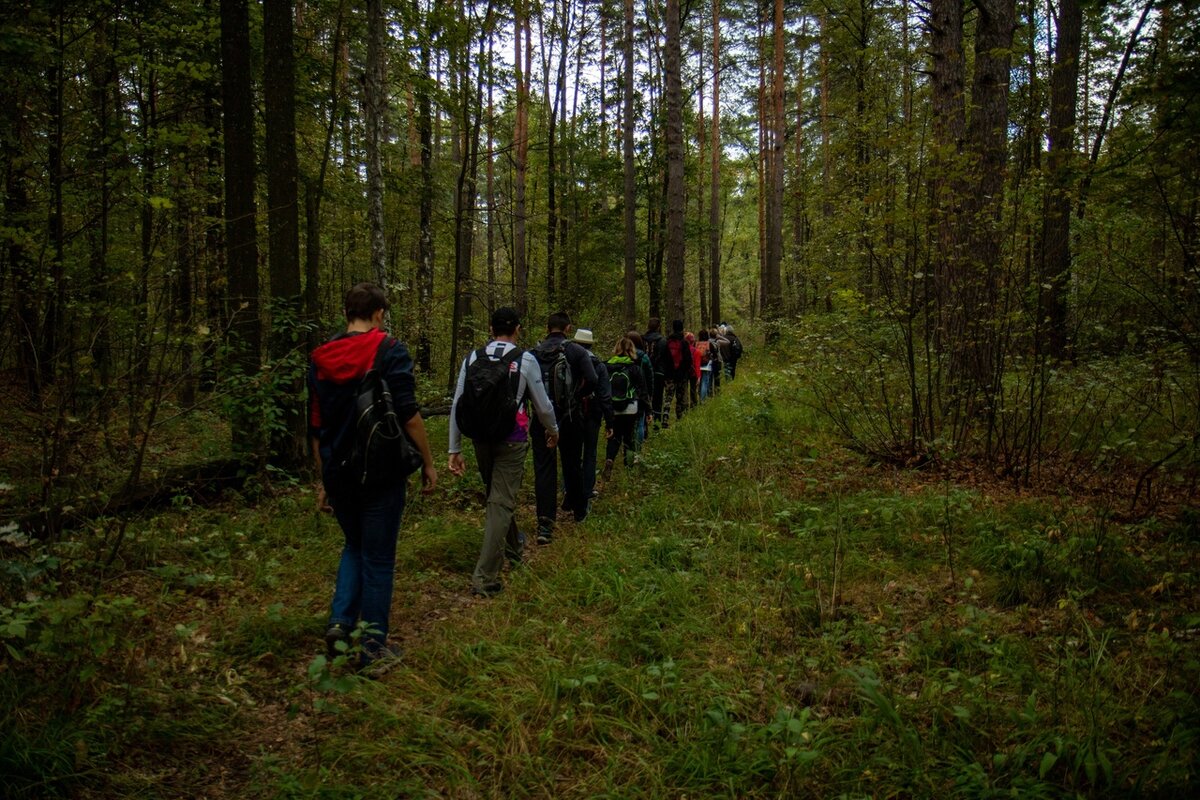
607, 472
337, 632
544, 537
487, 590
379, 659
516, 556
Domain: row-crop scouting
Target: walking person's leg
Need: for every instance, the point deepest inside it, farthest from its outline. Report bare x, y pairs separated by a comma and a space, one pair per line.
545, 482
380, 529
570, 446
506, 464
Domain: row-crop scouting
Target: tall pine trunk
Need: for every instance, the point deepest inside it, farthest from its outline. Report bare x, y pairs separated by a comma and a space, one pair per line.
283, 219
630, 173
675, 187
1055, 275
375, 103
240, 209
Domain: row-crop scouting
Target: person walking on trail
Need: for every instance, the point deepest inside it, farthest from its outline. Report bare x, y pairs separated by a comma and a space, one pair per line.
647, 370
735, 350
494, 384
675, 363
569, 377
596, 409
653, 340
628, 399
704, 357
720, 348
694, 378
369, 514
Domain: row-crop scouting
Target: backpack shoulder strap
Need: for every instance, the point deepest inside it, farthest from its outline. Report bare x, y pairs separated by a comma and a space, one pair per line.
385, 344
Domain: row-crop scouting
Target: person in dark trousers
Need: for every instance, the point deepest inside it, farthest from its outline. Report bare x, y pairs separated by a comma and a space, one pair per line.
722, 355
624, 369
675, 363
502, 464
653, 339
370, 521
645, 409
570, 430
735, 350
597, 408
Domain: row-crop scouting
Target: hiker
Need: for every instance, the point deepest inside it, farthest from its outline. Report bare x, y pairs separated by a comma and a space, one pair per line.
704, 359
628, 400
653, 340
720, 350
596, 409
369, 517
647, 369
735, 350
694, 378
498, 379
569, 377
675, 362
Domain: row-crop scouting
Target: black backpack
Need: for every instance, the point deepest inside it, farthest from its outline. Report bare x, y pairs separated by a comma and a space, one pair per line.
623, 390
560, 383
487, 407
735, 346
380, 454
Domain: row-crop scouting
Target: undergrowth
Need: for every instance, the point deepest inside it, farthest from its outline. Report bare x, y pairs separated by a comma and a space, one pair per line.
753, 611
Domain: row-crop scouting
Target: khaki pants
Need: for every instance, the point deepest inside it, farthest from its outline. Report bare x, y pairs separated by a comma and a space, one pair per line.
502, 466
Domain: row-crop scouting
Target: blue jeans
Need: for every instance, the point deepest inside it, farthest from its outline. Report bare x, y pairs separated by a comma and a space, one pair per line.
367, 569
705, 383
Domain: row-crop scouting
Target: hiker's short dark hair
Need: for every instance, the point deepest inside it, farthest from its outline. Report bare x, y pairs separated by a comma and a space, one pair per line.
653, 324
505, 321
677, 326
363, 300
558, 321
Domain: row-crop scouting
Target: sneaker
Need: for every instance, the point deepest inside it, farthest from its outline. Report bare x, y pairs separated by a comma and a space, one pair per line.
380, 659
337, 632
544, 537
487, 590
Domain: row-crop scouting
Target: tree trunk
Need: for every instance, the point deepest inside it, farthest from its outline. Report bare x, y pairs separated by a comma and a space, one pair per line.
714, 213
283, 218
425, 242
675, 187
1056, 231
772, 288
630, 174
521, 153
375, 107
240, 228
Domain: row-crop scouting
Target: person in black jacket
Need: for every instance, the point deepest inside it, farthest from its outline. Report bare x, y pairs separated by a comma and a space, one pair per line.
597, 408
653, 339
568, 413
674, 361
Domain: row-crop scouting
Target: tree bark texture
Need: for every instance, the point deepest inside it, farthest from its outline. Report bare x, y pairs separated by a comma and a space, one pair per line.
375, 108
675, 187
1056, 230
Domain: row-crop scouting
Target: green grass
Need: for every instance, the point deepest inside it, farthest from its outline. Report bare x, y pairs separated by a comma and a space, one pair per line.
754, 611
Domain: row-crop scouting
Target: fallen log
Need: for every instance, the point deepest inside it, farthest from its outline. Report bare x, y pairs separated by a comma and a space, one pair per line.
200, 482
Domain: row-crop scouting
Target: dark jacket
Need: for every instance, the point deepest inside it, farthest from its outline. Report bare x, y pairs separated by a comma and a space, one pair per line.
665, 365
647, 370
652, 340
580, 362
334, 373
599, 405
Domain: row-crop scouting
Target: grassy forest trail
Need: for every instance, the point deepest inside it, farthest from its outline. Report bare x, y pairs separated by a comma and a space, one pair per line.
752, 611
